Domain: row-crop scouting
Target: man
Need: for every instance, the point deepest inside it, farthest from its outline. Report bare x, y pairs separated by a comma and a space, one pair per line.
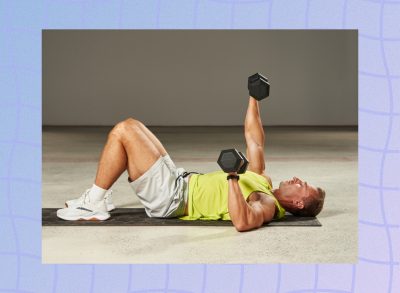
166, 191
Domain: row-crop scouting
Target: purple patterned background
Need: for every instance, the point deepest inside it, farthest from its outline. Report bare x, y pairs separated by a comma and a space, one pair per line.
378, 23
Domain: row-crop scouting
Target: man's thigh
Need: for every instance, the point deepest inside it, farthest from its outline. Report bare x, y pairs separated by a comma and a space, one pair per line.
142, 147
154, 139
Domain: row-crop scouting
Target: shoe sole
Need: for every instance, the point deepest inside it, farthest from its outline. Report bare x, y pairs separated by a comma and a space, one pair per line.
90, 218
108, 207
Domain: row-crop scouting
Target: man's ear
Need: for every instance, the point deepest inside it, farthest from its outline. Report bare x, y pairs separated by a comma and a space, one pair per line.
299, 204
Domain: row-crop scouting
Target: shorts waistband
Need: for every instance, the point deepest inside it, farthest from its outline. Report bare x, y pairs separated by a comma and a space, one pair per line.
186, 193
186, 175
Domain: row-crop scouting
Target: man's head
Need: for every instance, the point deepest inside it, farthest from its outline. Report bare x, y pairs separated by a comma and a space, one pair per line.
300, 198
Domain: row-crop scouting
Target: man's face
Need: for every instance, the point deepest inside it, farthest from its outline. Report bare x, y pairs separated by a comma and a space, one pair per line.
292, 192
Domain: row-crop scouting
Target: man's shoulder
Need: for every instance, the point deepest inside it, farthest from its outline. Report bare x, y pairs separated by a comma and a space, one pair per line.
267, 177
263, 175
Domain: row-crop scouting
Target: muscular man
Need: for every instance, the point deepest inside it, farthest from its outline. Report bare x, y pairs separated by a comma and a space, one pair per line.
167, 191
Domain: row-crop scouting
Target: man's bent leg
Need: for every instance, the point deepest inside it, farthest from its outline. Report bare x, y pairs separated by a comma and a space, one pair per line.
128, 147
141, 149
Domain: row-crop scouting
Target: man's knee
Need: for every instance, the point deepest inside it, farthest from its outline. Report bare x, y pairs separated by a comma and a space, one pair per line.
130, 122
128, 125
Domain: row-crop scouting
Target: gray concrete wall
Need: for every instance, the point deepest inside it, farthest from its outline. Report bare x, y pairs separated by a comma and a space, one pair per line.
187, 77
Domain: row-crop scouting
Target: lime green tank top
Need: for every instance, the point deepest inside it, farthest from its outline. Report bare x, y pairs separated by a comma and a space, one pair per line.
208, 195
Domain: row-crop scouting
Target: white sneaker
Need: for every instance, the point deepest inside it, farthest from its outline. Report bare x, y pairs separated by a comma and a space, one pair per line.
89, 211
78, 201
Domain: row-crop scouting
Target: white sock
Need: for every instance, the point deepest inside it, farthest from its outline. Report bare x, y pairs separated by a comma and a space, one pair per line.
97, 193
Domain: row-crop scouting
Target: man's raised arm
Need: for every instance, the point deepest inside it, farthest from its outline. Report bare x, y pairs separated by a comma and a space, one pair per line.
255, 137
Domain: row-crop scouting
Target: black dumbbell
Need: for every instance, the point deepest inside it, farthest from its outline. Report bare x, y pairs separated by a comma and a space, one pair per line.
231, 160
258, 86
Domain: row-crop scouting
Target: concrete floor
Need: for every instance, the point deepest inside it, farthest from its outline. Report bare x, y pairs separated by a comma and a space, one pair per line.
323, 156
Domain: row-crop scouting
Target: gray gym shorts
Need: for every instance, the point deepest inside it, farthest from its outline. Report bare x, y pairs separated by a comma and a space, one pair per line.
162, 190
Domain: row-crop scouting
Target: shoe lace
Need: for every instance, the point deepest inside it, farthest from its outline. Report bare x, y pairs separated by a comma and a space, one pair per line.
84, 197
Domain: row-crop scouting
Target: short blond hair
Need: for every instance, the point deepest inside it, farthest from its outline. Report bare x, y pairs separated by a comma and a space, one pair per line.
312, 204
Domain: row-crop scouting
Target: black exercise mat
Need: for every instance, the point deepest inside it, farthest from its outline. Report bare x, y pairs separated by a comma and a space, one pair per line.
138, 217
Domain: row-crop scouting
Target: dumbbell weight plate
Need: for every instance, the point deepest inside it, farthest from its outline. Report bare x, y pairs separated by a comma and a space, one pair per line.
230, 160
258, 86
